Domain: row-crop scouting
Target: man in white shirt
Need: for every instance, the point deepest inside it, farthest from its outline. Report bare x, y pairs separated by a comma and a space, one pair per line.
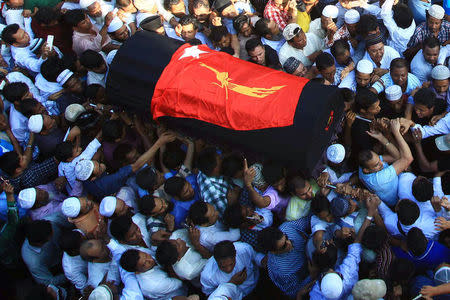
326, 24
232, 262
205, 217
378, 54
153, 281
226, 291
96, 11
427, 58
303, 46
75, 268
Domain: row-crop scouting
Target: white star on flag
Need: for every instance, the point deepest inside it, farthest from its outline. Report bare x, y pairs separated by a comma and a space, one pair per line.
192, 52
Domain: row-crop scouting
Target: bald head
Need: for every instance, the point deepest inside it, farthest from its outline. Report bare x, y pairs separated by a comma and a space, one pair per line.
95, 251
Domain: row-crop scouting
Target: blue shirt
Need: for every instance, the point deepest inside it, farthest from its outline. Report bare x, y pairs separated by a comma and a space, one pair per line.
181, 208
4, 208
384, 183
435, 254
288, 270
108, 184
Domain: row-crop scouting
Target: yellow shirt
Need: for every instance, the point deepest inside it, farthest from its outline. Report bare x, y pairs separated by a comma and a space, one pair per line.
303, 19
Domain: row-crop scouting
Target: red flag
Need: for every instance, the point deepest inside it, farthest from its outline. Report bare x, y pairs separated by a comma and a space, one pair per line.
217, 88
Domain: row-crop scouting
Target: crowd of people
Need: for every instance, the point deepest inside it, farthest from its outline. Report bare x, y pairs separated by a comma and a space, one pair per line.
101, 203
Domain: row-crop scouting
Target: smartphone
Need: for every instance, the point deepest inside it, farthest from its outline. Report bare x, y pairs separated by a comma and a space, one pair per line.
50, 42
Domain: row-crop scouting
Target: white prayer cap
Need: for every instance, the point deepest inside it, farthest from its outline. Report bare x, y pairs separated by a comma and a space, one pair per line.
102, 292
364, 66
330, 11
115, 25
108, 206
440, 72
331, 286
86, 3
84, 169
369, 289
71, 207
35, 123
141, 17
73, 111
351, 16
110, 56
27, 197
64, 76
393, 93
443, 142
336, 153
436, 11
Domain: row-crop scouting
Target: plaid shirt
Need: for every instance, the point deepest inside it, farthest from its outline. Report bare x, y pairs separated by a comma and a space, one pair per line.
341, 33
213, 190
281, 17
36, 174
422, 32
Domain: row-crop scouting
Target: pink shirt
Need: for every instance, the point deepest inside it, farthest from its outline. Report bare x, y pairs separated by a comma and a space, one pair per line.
54, 205
277, 204
87, 41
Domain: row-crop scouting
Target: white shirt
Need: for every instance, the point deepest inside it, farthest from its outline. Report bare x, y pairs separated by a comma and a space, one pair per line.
155, 284
46, 87
67, 169
14, 16
76, 270
211, 235
97, 271
313, 44
334, 178
422, 69
226, 291
398, 37
389, 54
315, 27
19, 77
100, 21
27, 59
19, 125
246, 257
267, 221
441, 127
437, 187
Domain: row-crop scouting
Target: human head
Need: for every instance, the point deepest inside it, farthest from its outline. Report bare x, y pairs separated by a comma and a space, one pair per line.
155, 206
113, 131
424, 103
341, 207
416, 242
118, 30
125, 154
95, 93
176, 7
374, 237
93, 61
375, 47
325, 260
70, 242
351, 19
242, 25
136, 261
15, 36
434, 17
210, 162
407, 211
329, 16
126, 6
367, 103
369, 289
39, 232
267, 29
220, 37
295, 67
225, 8
363, 74
367, 25
149, 179
370, 162
173, 156
189, 27
74, 207
394, 96
179, 188
92, 7
201, 10
341, 51
295, 36
89, 169
113, 207
203, 214
274, 175
256, 51
440, 79
399, 71
16, 92
95, 251
236, 216
300, 187
233, 166
320, 206
274, 240
14, 3
11, 163
349, 98
331, 286
422, 189
170, 251
326, 67
33, 198
125, 230
70, 82
225, 256
335, 154
31, 106
66, 150
78, 20
430, 49
51, 68
403, 16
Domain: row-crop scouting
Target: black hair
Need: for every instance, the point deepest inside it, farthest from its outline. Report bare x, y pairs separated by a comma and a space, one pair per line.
63, 151
422, 189
431, 42
38, 232
188, 19
224, 249
15, 91
408, 212
252, 43
174, 185
374, 237
92, 90
262, 27
347, 94
91, 59
201, 3
217, 33
70, 242
364, 156
168, 4
121, 151
272, 172
364, 99
268, 238
320, 203
239, 21
129, 260
296, 182
327, 260
445, 182
147, 205
8, 32
367, 23
416, 241
74, 16
340, 47
207, 161
123, 3
401, 270
232, 164
174, 156
194, 42
146, 179
166, 254
426, 97
51, 68
228, 50
324, 60
46, 15
112, 130
197, 213
9, 162
399, 63
403, 16
232, 216
120, 226
27, 106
